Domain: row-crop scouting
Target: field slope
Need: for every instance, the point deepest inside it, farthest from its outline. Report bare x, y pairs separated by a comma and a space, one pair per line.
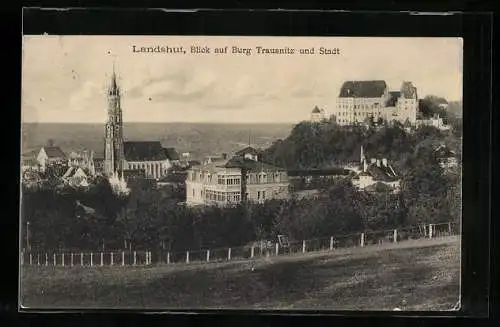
425, 274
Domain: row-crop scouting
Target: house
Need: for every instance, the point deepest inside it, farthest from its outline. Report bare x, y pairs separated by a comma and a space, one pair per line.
318, 115
50, 155
77, 176
242, 177
435, 121
215, 158
447, 158
375, 173
29, 163
360, 101
315, 178
83, 159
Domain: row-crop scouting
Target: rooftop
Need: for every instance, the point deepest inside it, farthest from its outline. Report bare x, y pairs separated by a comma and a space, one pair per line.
54, 152
143, 151
363, 89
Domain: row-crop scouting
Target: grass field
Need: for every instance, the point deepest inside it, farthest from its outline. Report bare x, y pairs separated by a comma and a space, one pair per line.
424, 273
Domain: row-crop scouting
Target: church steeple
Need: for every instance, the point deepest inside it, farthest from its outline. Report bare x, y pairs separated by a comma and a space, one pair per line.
113, 151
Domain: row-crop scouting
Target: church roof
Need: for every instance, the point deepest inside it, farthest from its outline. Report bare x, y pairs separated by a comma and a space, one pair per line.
54, 152
316, 110
363, 89
171, 153
143, 151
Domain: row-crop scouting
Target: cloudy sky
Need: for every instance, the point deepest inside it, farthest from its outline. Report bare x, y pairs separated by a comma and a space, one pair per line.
65, 77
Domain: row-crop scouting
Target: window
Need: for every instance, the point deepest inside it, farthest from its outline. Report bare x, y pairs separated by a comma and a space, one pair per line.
258, 195
263, 195
193, 192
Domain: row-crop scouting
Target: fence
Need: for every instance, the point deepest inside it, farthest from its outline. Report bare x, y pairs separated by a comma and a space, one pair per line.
256, 250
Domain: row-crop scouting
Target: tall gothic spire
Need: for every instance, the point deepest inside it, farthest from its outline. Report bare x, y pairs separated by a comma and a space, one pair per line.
114, 85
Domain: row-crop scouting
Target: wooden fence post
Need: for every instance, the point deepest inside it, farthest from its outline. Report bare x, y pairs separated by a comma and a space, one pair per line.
111, 259
252, 252
331, 243
277, 249
150, 260
229, 254
123, 258
208, 255
46, 259
71, 259
102, 259
91, 259
395, 236
362, 239
31, 259
62, 259
304, 246
168, 258
81, 259
187, 256
430, 230
38, 259
449, 227
135, 258
55, 260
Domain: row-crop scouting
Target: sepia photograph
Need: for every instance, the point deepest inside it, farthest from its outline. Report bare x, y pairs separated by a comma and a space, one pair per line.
241, 173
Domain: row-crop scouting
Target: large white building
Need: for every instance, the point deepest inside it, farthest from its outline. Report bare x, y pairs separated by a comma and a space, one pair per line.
360, 101
234, 180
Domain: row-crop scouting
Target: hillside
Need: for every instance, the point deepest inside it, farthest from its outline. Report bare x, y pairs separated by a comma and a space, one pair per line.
425, 274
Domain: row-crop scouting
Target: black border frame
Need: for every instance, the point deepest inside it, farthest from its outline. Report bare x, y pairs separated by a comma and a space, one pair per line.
475, 28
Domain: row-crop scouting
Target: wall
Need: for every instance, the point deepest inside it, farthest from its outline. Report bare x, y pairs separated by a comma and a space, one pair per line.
154, 169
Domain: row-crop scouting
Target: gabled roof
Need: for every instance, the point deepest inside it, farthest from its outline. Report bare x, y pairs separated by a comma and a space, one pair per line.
54, 152
250, 165
143, 151
316, 110
171, 153
382, 174
247, 150
363, 89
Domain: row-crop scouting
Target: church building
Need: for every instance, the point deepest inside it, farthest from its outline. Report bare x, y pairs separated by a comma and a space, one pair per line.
148, 158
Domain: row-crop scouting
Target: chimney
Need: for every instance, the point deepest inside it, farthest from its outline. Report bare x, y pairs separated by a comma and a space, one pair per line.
384, 162
378, 162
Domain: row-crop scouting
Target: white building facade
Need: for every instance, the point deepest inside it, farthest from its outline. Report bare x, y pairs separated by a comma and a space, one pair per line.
360, 101
230, 182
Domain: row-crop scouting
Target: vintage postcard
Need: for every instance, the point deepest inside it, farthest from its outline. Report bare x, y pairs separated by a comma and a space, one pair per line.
269, 173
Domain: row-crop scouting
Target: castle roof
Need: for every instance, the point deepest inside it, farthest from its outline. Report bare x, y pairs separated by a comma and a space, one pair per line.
393, 99
363, 89
143, 151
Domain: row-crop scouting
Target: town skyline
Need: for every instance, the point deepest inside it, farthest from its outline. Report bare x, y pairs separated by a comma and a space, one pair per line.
66, 82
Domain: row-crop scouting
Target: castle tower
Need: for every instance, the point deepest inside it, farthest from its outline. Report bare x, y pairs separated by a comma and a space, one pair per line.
113, 152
